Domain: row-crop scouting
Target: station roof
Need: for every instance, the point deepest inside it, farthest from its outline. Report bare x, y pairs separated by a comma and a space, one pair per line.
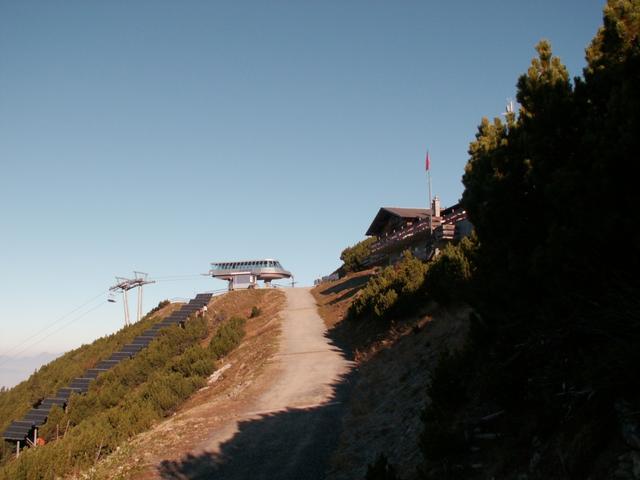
385, 214
244, 264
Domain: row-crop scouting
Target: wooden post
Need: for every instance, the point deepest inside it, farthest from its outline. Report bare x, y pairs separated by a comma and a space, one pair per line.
35, 437
17, 448
98, 452
57, 431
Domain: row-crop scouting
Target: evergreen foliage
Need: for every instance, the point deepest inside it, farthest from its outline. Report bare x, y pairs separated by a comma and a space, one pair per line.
228, 336
393, 289
126, 400
381, 469
406, 286
17, 401
354, 256
450, 273
549, 192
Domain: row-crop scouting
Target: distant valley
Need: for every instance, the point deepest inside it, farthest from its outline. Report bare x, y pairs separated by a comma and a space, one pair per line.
14, 370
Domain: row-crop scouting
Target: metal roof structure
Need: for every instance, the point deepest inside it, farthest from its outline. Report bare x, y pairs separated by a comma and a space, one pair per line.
387, 214
266, 269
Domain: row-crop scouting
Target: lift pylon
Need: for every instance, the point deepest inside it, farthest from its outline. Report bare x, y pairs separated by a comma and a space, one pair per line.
124, 285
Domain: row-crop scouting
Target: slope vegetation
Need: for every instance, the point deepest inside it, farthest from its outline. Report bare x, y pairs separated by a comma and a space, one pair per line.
15, 402
219, 398
395, 359
126, 400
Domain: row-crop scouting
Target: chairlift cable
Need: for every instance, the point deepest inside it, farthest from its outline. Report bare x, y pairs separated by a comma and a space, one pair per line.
2, 362
52, 324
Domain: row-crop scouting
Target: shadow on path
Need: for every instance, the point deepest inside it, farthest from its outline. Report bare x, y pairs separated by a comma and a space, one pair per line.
291, 444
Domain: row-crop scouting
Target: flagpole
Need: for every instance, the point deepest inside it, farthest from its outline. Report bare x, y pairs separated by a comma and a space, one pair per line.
430, 206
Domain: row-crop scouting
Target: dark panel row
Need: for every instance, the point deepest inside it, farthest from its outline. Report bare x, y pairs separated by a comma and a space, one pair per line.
20, 430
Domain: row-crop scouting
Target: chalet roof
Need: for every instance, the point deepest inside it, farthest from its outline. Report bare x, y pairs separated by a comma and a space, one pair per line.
386, 214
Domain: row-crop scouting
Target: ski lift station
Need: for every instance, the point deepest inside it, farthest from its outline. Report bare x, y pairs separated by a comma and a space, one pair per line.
246, 274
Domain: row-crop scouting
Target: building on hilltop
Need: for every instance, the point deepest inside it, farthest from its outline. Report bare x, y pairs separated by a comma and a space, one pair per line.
423, 231
246, 273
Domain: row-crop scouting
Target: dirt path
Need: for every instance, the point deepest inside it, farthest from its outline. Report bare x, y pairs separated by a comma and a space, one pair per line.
289, 429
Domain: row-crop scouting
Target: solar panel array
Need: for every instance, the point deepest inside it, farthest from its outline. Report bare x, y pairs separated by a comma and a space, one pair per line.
20, 430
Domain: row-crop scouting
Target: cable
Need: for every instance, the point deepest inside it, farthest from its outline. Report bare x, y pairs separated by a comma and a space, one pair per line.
171, 280
12, 351
2, 362
178, 277
52, 324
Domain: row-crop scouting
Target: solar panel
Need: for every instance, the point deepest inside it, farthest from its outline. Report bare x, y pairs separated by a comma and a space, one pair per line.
65, 393
50, 402
81, 381
20, 424
82, 388
19, 430
35, 415
44, 408
107, 364
118, 356
145, 338
93, 372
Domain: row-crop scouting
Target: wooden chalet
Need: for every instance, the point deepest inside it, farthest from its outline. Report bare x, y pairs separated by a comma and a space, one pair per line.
421, 230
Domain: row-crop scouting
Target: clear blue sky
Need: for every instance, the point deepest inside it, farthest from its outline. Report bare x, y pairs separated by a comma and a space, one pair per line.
162, 135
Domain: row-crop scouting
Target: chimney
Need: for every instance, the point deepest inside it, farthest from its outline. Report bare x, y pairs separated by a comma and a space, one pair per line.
435, 206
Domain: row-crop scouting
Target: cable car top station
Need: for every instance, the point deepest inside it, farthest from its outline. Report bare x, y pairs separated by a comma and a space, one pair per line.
245, 274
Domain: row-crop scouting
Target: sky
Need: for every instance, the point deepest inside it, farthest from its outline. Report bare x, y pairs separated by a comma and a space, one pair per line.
161, 136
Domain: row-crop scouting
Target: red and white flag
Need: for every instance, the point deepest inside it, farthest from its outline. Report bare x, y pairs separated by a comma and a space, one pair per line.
427, 162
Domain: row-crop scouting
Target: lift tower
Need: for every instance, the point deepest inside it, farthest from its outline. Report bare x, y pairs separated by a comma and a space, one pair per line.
124, 285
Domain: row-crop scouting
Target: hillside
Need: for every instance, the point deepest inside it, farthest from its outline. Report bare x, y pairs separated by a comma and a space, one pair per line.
15, 402
395, 361
216, 400
131, 397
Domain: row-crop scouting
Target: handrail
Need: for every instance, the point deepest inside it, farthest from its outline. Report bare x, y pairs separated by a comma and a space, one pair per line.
421, 226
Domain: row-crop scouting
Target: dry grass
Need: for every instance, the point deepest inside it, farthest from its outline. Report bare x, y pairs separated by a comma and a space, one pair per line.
218, 400
395, 361
390, 393
333, 298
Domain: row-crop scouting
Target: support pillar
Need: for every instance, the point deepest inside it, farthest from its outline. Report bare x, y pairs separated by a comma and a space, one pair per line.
139, 303
126, 308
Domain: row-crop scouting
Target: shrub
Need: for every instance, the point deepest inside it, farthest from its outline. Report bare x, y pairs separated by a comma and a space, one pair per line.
441, 440
255, 312
396, 287
381, 469
354, 256
450, 273
160, 306
227, 337
127, 400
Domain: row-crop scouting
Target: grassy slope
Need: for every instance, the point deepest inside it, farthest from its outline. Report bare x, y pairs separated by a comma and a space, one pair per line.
136, 377
172, 437
394, 362
48, 379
